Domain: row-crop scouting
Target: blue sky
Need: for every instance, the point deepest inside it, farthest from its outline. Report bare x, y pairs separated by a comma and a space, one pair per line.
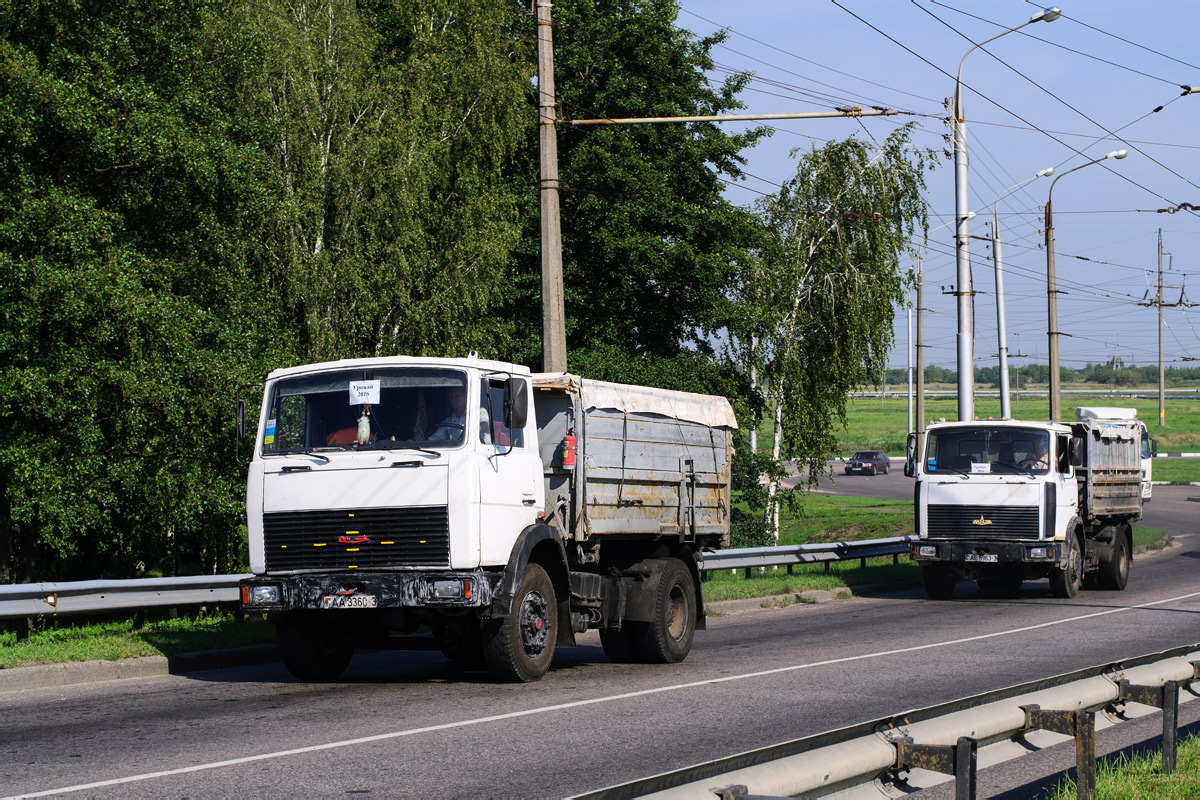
1073, 81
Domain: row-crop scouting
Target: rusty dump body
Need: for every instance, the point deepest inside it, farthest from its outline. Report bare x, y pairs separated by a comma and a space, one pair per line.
649, 463
1110, 476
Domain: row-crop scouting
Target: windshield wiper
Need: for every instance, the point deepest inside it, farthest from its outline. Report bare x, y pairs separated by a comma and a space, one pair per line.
297, 452
1019, 469
392, 444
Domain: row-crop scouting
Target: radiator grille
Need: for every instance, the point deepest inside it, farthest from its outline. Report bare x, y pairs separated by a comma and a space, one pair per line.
1019, 522
395, 537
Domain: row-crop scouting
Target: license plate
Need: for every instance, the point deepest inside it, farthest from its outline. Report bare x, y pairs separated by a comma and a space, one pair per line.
987, 558
350, 601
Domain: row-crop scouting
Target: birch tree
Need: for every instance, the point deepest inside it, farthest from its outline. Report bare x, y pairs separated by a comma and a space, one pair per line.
820, 303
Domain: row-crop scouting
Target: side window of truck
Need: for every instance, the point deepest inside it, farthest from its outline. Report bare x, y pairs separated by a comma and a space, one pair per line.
492, 429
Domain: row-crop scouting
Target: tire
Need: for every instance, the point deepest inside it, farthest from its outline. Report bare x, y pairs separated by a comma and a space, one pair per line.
520, 647
939, 581
1066, 582
621, 645
315, 647
1114, 570
668, 639
461, 642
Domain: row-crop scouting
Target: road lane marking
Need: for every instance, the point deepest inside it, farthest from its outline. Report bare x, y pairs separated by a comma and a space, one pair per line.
379, 737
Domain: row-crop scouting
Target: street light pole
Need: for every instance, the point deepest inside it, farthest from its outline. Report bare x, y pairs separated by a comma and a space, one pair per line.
966, 345
1001, 334
1052, 289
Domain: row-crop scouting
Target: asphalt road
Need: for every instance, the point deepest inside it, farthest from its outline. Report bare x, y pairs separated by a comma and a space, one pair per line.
409, 724
413, 724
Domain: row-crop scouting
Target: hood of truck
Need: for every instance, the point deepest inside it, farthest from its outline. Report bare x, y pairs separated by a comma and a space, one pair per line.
980, 490
393, 510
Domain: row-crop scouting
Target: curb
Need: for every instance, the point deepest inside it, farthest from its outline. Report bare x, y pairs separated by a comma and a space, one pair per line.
49, 676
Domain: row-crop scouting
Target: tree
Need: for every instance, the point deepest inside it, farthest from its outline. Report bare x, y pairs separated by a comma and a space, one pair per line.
818, 308
650, 245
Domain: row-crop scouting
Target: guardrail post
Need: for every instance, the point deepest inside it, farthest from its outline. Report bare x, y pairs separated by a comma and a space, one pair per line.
739, 792
1079, 724
1165, 697
960, 760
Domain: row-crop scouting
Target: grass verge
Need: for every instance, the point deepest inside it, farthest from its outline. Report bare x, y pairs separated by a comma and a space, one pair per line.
1139, 776
54, 643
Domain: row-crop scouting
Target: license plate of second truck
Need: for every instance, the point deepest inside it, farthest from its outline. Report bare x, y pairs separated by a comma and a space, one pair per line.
987, 558
351, 601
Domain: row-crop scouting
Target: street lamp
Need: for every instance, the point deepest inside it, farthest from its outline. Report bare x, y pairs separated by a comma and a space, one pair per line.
1052, 290
1001, 335
966, 347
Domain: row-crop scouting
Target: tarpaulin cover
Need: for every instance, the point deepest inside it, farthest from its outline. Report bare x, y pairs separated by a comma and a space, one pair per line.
704, 409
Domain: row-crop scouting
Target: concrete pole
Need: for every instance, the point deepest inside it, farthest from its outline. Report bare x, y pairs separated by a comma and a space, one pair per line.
962, 258
919, 422
908, 350
1052, 316
1162, 372
1001, 334
554, 336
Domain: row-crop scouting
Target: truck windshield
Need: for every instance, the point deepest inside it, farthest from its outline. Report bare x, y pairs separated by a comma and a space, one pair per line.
378, 408
988, 449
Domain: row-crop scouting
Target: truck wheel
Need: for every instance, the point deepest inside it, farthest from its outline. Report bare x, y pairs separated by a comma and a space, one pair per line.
1114, 571
1065, 582
314, 647
520, 647
668, 638
620, 645
939, 581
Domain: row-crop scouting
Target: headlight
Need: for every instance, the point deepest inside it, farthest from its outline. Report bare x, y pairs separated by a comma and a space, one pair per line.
452, 589
264, 595
1039, 552
927, 551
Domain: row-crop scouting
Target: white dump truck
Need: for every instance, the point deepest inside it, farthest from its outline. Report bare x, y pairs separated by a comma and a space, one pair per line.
1004, 501
469, 506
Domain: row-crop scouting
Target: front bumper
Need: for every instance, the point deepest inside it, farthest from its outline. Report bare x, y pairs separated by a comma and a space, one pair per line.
982, 552
390, 589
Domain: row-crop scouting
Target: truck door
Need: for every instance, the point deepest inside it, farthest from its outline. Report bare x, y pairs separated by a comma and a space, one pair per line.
510, 476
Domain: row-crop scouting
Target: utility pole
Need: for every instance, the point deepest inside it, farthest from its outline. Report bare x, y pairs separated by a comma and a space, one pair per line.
919, 422
554, 333
1162, 372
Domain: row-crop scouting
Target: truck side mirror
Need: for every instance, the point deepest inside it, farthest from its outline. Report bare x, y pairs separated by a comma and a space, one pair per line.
241, 420
1075, 454
910, 463
1154, 448
516, 403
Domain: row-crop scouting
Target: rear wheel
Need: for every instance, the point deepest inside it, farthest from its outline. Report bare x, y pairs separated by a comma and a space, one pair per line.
1065, 582
520, 647
621, 645
315, 647
1114, 571
939, 581
668, 638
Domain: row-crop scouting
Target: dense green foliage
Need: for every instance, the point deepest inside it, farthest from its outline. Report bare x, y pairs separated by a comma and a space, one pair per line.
195, 192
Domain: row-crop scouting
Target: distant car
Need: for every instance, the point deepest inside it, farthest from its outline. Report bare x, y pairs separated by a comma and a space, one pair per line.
867, 462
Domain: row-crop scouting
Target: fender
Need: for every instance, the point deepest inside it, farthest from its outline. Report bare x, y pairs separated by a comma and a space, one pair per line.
514, 571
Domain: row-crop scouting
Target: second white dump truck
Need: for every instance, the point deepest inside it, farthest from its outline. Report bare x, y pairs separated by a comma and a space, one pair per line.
469, 506
1004, 501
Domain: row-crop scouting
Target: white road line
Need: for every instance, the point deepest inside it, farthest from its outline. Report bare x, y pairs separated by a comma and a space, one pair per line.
580, 703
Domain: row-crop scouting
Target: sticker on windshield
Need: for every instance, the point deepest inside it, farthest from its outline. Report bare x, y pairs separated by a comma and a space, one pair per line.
269, 433
977, 467
933, 465
364, 393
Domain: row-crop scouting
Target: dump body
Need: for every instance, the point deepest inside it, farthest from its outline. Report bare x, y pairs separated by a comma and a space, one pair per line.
649, 462
1110, 478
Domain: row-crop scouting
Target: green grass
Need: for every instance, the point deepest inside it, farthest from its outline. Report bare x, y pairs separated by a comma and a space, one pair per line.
810, 577
1133, 778
881, 424
1181, 470
110, 641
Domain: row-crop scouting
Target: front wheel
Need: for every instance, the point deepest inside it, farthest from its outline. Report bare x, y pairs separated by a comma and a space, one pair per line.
520, 647
1065, 582
314, 647
668, 638
939, 581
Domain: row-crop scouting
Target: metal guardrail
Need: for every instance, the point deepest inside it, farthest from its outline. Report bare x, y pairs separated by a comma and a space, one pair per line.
898, 755
85, 597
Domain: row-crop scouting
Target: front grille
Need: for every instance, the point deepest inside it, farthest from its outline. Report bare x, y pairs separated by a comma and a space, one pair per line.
965, 522
396, 537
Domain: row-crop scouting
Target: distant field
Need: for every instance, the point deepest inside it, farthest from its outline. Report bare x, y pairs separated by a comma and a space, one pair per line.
882, 424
